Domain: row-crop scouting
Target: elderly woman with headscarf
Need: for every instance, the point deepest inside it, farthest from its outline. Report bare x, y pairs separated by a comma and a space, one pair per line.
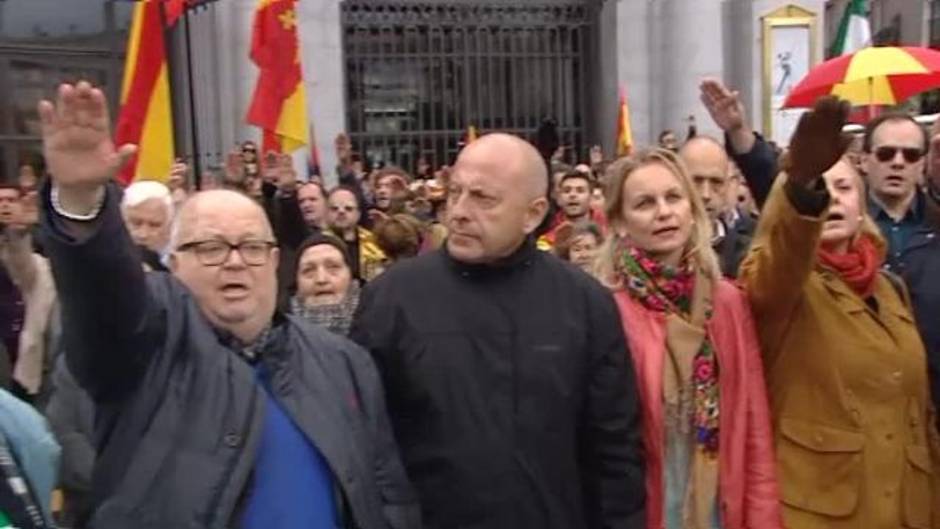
327, 294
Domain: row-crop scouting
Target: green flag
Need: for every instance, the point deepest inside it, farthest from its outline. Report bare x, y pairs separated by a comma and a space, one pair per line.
854, 30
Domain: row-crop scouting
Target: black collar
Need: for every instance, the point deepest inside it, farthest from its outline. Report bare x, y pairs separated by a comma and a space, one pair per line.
522, 258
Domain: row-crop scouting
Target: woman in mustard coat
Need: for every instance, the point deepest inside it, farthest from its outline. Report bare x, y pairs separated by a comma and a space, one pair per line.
845, 366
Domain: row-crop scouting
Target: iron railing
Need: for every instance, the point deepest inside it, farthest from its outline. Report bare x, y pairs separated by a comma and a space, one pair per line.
419, 73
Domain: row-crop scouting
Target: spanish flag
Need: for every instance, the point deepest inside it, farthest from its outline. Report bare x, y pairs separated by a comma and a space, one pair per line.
146, 116
279, 105
624, 130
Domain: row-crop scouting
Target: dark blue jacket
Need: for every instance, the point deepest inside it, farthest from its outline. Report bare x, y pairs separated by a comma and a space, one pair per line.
918, 263
179, 413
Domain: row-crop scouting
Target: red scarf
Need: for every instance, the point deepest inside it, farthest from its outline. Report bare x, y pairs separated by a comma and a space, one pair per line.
858, 267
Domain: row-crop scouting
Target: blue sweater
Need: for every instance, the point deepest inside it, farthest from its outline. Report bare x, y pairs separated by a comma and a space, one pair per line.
293, 485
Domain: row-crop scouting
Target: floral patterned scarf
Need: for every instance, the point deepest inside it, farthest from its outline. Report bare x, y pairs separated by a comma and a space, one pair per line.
690, 382
667, 289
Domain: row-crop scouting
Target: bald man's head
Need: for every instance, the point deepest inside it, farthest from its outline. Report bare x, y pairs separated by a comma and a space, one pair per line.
496, 198
224, 252
709, 167
212, 201
517, 158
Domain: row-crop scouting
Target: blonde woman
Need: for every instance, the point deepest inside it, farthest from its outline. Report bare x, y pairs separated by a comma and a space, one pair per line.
706, 423
845, 365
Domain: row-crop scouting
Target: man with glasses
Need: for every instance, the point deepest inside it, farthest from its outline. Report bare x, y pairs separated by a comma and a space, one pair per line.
894, 146
212, 409
344, 215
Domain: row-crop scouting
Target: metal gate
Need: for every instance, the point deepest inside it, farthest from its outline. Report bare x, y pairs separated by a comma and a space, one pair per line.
420, 73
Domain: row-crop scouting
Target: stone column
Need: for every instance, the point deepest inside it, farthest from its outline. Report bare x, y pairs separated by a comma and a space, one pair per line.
322, 45
688, 46
633, 71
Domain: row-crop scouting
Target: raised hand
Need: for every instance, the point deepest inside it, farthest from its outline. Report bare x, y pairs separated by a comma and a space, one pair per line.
818, 142
235, 167
377, 216
723, 105
76, 136
596, 155
269, 167
177, 176
286, 174
343, 148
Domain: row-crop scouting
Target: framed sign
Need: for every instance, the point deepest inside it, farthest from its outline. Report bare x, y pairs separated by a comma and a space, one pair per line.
789, 51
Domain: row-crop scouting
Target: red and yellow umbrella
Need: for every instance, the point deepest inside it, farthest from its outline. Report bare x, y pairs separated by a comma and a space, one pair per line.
870, 76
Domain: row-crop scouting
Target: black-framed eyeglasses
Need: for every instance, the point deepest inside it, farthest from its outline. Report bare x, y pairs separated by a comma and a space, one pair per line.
886, 154
215, 252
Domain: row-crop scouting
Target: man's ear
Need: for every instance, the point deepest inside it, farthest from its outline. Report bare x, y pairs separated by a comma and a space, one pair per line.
535, 214
276, 257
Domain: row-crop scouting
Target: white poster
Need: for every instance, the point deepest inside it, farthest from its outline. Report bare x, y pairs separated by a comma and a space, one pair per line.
790, 62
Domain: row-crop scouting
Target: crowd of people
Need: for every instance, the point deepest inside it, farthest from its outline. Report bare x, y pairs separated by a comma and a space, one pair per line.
701, 334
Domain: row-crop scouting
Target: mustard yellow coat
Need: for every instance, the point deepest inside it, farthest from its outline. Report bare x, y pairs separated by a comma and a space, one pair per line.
847, 387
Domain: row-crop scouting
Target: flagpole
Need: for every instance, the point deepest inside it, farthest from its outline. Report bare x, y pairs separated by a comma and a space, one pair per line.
170, 70
194, 129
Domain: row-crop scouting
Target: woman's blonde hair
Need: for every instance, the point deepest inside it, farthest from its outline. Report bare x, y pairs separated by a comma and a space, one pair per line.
699, 246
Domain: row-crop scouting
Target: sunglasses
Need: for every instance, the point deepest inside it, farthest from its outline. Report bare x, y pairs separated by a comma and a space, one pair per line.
886, 154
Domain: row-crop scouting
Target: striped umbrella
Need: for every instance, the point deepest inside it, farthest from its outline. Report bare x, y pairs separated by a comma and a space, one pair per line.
870, 76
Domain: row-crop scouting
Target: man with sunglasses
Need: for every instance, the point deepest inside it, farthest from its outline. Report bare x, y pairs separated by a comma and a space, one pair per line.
212, 409
344, 216
894, 148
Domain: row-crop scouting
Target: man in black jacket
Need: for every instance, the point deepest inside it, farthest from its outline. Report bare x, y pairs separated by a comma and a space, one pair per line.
709, 167
507, 373
734, 228
212, 410
746, 148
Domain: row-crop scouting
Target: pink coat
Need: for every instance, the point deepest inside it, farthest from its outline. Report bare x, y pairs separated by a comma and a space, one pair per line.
747, 474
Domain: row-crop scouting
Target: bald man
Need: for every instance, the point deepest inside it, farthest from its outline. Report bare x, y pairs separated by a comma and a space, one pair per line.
711, 171
505, 368
213, 410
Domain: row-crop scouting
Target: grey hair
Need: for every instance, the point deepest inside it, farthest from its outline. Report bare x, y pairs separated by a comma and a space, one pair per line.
144, 190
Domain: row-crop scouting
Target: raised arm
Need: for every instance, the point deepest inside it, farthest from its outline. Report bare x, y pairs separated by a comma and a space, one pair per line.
290, 227
17, 257
106, 329
750, 152
783, 253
